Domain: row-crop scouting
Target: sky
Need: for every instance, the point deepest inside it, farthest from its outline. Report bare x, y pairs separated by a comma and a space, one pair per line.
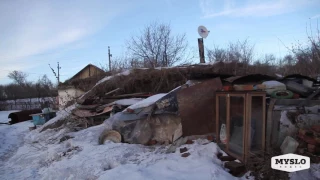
36, 33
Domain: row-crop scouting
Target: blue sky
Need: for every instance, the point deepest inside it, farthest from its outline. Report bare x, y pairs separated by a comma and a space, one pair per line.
36, 33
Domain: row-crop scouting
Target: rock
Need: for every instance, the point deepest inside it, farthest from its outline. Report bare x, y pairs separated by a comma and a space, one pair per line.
182, 150
189, 142
185, 154
227, 158
236, 169
219, 155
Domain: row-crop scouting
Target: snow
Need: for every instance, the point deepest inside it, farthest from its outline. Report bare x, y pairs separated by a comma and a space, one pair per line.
124, 73
10, 135
309, 174
4, 116
28, 154
147, 102
32, 100
128, 102
33, 155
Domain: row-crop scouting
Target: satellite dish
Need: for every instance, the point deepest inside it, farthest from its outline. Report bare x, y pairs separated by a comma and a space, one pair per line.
203, 32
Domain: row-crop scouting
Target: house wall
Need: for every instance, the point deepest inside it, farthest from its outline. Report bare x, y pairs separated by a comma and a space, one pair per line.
66, 95
88, 72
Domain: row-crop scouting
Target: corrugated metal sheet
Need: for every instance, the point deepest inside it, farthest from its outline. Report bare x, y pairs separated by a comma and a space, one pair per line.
249, 79
197, 107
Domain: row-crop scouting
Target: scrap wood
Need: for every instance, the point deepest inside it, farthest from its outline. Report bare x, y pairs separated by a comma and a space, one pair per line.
88, 107
86, 113
303, 103
111, 92
133, 95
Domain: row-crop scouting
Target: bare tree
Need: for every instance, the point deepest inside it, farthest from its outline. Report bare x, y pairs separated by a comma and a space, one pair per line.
217, 54
18, 77
241, 51
157, 46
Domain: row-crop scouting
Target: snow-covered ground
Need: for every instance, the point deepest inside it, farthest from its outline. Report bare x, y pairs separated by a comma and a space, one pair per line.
47, 155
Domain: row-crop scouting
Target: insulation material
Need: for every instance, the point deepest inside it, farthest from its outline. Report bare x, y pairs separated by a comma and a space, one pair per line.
162, 128
271, 86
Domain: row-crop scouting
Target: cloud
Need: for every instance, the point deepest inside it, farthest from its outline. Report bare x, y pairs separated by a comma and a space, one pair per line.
211, 8
33, 27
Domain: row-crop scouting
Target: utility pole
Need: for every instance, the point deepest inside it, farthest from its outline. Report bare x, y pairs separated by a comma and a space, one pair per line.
54, 72
109, 55
58, 73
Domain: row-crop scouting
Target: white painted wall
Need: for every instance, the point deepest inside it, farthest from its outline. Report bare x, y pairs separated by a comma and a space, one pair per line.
68, 94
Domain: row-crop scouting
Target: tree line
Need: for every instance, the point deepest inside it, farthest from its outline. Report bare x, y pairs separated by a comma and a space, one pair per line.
21, 88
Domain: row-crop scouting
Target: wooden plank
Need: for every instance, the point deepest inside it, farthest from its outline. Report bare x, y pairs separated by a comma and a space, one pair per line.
113, 91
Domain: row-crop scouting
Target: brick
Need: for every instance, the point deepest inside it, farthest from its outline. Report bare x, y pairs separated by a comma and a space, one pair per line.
311, 148
236, 169
300, 150
182, 150
152, 142
308, 139
189, 142
316, 128
210, 138
302, 144
130, 110
227, 158
185, 154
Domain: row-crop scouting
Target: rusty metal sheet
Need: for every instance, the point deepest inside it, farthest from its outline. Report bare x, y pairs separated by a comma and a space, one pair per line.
22, 115
197, 107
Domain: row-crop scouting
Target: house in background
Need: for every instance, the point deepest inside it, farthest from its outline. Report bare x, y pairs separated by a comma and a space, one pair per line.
80, 83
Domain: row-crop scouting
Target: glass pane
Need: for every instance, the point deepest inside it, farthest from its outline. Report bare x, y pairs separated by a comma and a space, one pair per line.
236, 125
256, 123
222, 120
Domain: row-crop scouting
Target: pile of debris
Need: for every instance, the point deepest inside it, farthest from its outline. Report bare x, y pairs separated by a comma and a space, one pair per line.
162, 106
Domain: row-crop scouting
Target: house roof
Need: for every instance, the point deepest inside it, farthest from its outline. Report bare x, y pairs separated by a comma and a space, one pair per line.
87, 66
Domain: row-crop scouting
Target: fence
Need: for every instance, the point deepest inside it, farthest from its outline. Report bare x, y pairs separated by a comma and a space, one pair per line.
27, 104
